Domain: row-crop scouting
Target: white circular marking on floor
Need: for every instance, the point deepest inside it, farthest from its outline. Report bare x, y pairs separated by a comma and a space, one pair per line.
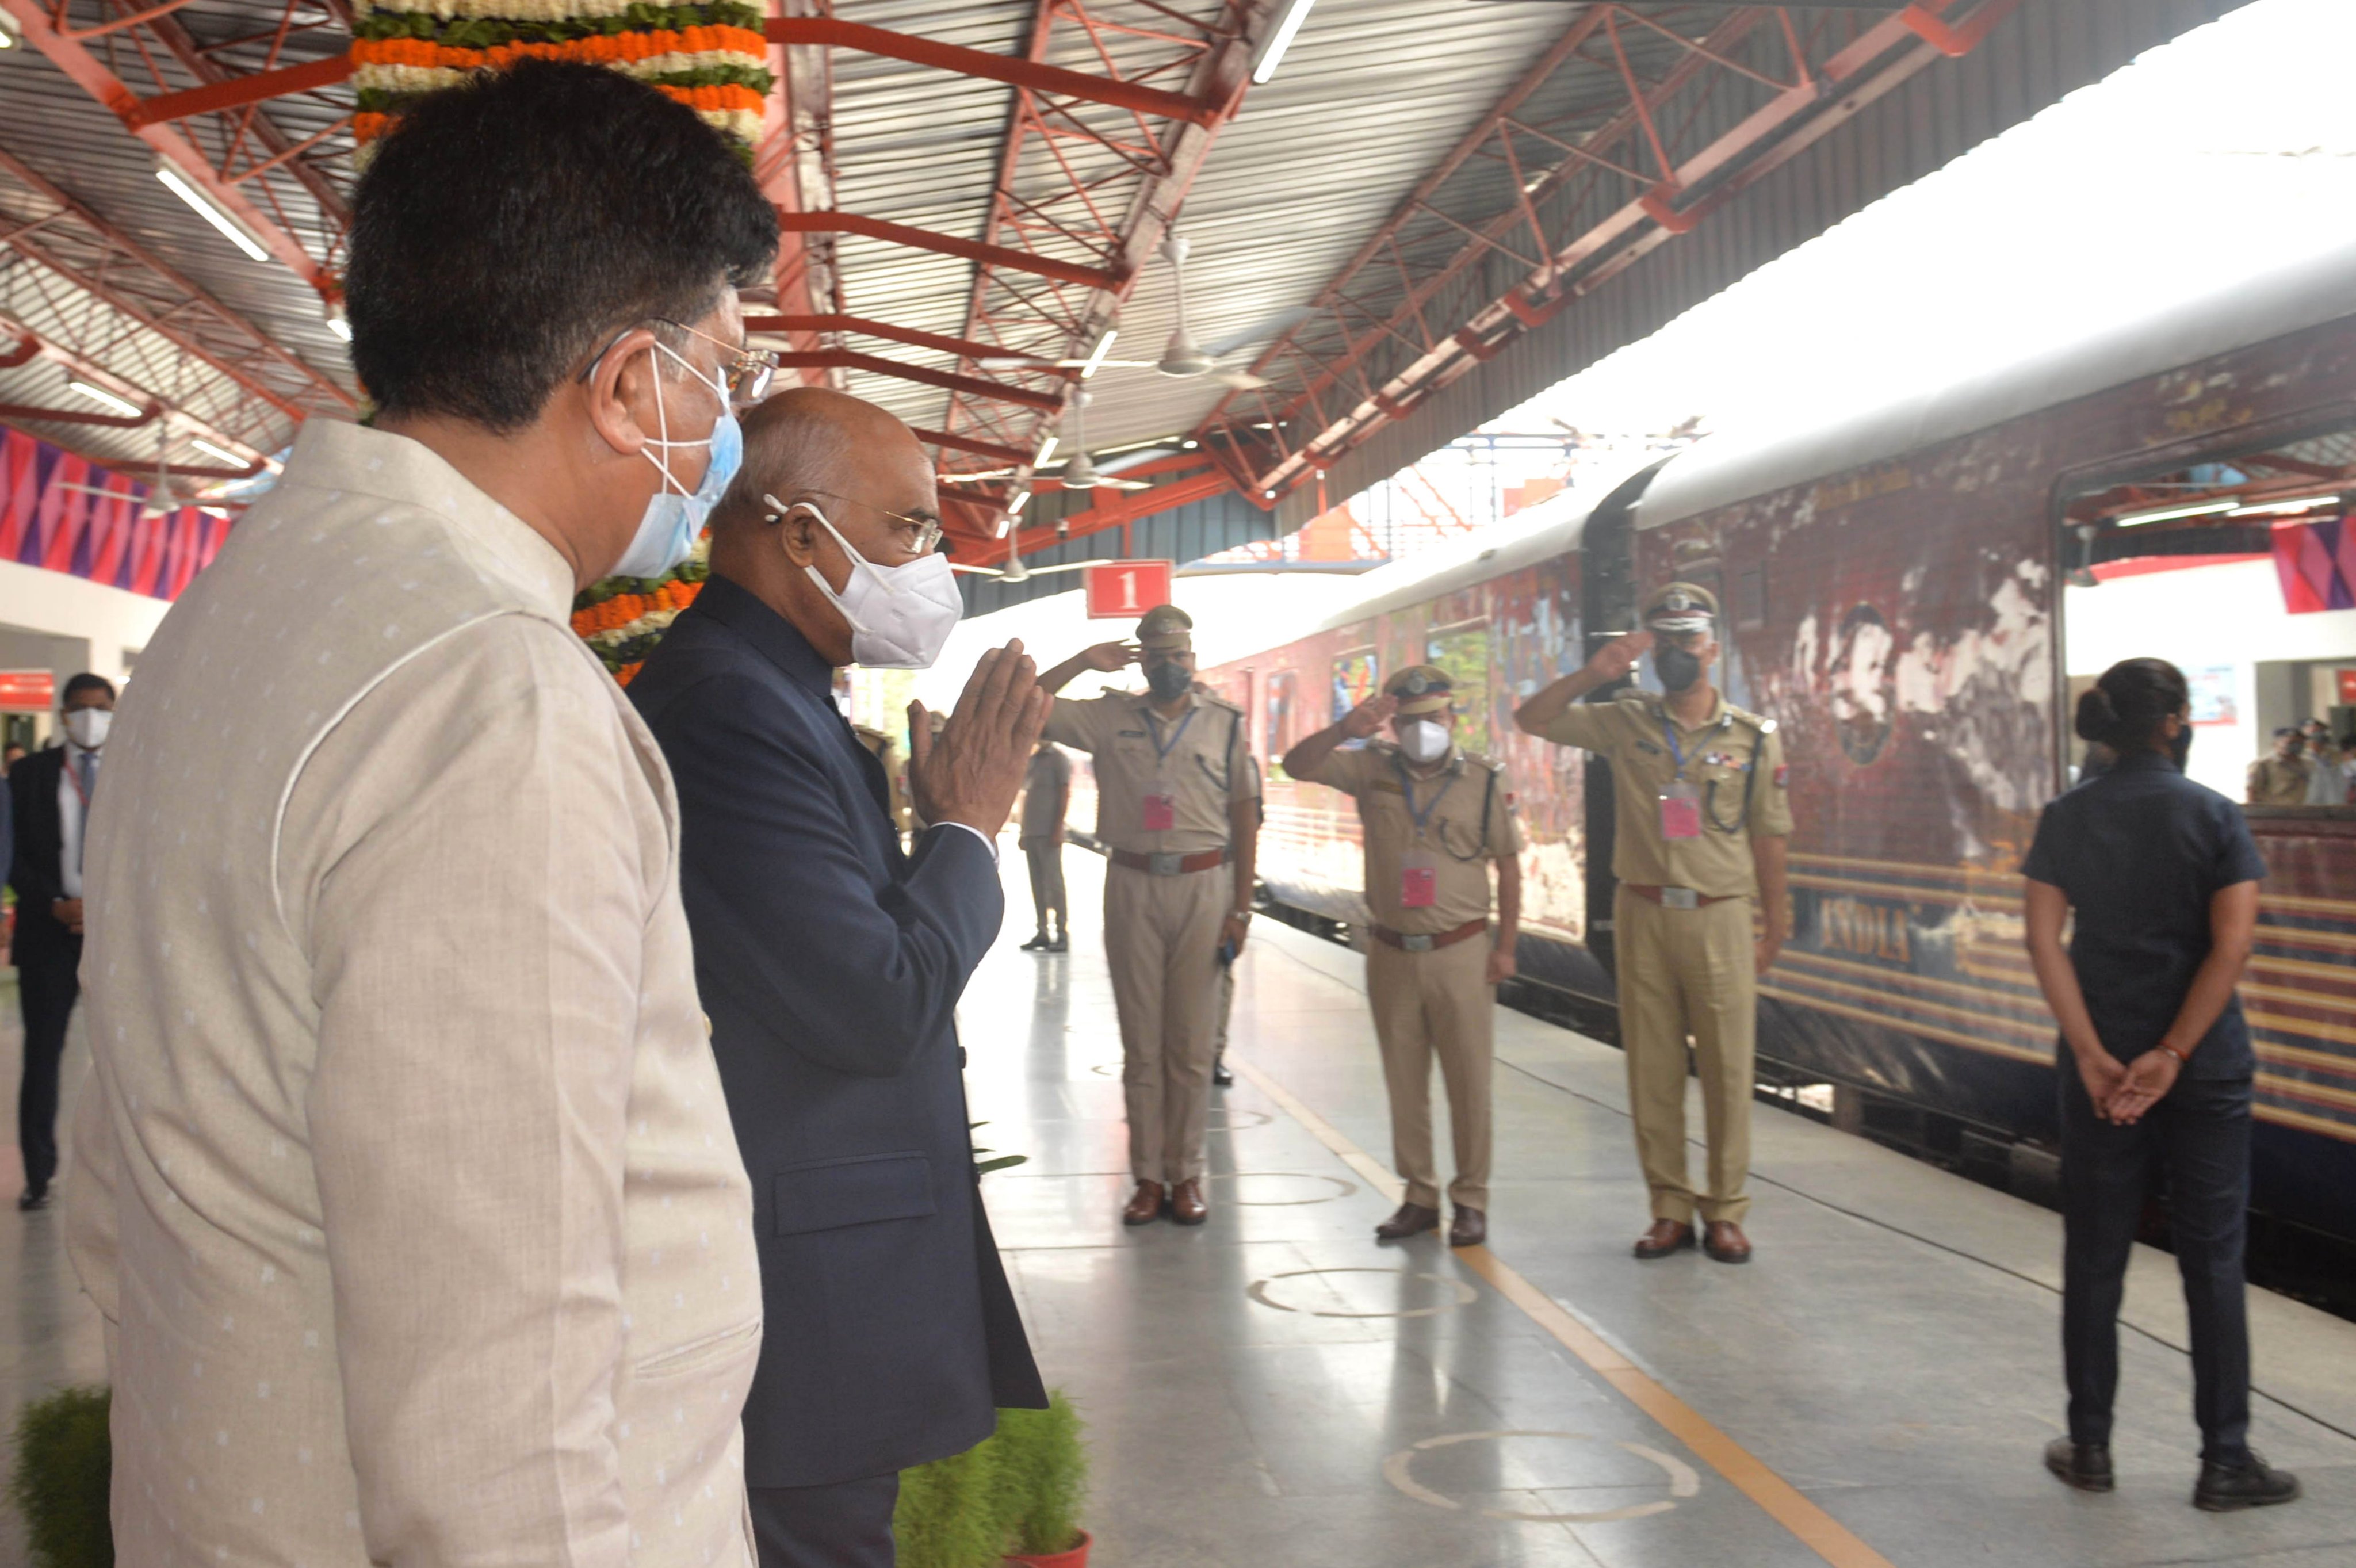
1342, 1188
1259, 1119
1683, 1481
1465, 1294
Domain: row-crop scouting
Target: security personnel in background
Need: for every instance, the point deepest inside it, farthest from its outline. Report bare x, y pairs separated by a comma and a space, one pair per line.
2280, 779
1435, 819
885, 750
1699, 787
1178, 808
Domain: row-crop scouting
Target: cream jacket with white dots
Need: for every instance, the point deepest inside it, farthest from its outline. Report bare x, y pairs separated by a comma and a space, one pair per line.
404, 1181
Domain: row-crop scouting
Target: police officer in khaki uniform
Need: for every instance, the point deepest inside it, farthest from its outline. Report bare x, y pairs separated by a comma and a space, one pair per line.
1178, 806
1434, 821
2281, 779
1699, 792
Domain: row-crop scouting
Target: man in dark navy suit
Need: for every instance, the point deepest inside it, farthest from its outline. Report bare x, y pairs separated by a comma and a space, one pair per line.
830, 963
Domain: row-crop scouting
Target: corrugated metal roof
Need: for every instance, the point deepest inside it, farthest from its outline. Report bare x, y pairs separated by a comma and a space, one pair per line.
2046, 49
50, 123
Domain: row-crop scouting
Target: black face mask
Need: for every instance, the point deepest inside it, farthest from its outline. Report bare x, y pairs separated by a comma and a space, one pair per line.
2181, 747
1168, 680
1677, 669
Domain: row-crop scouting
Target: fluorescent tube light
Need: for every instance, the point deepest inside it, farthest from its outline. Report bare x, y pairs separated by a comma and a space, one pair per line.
339, 324
1005, 523
2201, 508
210, 450
1097, 355
2302, 503
231, 230
1271, 53
1021, 499
1046, 450
124, 406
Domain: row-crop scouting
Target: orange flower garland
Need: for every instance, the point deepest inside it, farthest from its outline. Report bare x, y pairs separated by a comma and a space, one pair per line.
605, 49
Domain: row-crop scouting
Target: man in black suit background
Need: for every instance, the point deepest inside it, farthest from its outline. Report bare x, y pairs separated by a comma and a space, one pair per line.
831, 963
50, 793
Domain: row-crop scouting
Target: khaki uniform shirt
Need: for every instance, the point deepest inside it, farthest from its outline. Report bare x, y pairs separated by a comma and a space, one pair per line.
1727, 752
2279, 781
1047, 792
1468, 823
1208, 768
403, 1180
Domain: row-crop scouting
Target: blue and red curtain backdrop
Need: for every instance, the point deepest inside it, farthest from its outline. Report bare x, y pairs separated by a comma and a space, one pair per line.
2317, 562
50, 517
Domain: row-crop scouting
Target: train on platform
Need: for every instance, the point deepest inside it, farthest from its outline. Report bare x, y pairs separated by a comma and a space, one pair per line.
1893, 591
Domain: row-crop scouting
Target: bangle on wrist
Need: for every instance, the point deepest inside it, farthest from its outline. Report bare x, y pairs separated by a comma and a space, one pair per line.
2183, 1058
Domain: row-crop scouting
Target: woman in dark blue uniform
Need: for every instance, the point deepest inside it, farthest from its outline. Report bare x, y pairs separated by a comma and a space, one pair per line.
2156, 1065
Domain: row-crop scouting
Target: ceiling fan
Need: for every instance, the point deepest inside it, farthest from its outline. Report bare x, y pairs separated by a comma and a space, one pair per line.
1182, 357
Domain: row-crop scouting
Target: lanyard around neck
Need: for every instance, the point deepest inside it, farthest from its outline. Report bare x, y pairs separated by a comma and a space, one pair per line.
1669, 734
1407, 788
1161, 749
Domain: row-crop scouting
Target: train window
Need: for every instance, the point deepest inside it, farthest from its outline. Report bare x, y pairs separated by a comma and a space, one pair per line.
2237, 564
1749, 609
1283, 699
1357, 675
1464, 652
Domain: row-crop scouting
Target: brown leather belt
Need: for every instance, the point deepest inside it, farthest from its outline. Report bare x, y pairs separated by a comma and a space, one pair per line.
1430, 942
1677, 898
1169, 865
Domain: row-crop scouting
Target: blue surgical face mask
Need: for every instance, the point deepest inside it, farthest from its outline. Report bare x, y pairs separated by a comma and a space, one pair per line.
675, 515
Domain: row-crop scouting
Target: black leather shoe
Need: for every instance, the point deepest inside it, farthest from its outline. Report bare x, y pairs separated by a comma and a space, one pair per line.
1412, 1220
1666, 1237
1059, 945
2086, 1465
1221, 1076
1037, 944
31, 1199
1471, 1227
2251, 1484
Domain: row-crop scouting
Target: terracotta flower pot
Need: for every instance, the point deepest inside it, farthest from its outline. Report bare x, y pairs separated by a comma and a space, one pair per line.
1077, 1557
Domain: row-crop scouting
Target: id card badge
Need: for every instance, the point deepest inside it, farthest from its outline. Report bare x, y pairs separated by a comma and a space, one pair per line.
1680, 811
1161, 813
1419, 881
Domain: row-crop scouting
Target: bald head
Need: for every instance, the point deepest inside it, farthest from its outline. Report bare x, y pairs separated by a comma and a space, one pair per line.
812, 441
842, 472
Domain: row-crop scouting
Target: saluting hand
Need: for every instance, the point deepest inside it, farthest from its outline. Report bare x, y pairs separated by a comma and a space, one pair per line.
972, 772
1367, 720
1111, 656
1616, 658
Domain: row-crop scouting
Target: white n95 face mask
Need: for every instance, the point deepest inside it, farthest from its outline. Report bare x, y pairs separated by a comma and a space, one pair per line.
1424, 741
88, 726
900, 616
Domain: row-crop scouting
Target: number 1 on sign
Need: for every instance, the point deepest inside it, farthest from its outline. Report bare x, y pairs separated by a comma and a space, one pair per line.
1128, 591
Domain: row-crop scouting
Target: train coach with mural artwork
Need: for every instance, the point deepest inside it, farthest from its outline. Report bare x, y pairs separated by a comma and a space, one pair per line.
1701, 827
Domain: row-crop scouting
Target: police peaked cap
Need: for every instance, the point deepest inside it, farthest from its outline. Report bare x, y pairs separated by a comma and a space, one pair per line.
1421, 689
1681, 606
1166, 628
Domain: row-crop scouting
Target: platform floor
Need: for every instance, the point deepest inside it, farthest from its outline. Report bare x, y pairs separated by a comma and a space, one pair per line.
1276, 1387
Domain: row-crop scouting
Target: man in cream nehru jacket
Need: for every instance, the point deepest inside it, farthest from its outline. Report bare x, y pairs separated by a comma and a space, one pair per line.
406, 1185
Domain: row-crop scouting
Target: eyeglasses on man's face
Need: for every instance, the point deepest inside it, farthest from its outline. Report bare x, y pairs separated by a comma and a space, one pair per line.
746, 372
913, 531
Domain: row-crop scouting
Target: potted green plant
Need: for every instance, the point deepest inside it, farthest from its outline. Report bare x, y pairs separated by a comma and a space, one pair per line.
1042, 1469
64, 1467
949, 1513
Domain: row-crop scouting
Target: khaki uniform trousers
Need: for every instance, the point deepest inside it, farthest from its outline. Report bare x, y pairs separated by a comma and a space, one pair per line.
1046, 858
1161, 939
1689, 973
1437, 1003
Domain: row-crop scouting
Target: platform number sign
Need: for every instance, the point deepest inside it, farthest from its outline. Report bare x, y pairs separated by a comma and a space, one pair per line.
1123, 590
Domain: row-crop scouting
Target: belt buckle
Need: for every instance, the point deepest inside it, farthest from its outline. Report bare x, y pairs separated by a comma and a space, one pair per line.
1680, 898
1164, 864
1415, 944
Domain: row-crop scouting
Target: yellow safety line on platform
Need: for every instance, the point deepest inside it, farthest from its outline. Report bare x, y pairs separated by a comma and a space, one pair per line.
1785, 1503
